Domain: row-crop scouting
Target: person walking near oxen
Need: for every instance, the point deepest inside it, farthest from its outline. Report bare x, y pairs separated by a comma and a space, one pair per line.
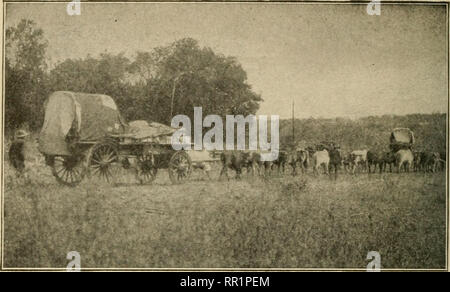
16, 154
335, 160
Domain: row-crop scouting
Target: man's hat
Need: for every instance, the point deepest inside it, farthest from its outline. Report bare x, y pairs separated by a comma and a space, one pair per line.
21, 134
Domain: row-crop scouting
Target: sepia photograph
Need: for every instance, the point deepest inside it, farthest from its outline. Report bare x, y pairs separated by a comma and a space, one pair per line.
225, 136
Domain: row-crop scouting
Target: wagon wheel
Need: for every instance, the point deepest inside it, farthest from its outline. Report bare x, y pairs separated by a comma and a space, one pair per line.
101, 160
146, 169
68, 170
180, 167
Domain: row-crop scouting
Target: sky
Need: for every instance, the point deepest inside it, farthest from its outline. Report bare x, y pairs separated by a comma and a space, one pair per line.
331, 60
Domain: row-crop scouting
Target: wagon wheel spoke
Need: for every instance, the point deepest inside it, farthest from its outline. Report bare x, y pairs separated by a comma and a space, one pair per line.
60, 169
108, 175
76, 172
108, 157
64, 175
95, 160
72, 174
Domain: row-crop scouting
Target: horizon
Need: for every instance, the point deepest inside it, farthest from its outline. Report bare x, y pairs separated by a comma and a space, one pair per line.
365, 117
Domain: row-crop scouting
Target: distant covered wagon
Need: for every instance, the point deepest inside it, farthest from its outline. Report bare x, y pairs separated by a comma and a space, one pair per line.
85, 134
401, 138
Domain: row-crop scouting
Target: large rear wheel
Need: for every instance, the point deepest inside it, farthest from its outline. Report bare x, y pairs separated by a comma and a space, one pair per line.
68, 170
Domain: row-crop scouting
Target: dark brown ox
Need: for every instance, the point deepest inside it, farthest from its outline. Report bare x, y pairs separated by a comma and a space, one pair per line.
298, 158
281, 161
303, 159
374, 160
388, 159
235, 160
429, 161
417, 157
255, 164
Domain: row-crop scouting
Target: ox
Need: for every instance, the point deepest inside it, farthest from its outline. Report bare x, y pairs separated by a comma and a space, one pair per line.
255, 162
320, 158
280, 162
358, 158
404, 157
388, 159
374, 159
202, 166
235, 160
298, 157
417, 157
303, 159
429, 161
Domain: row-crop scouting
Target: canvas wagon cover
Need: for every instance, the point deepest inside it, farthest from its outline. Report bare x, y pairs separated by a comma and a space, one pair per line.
91, 116
402, 135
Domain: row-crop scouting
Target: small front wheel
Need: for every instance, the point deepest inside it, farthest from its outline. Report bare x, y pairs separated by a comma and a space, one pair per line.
146, 169
180, 167
101, 160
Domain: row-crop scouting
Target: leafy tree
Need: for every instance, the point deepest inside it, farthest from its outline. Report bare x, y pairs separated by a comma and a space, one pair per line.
25, 75
107, 74
103, 75
183, 75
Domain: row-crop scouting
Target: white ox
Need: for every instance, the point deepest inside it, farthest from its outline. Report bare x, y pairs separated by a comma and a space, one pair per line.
404, 158
320, 158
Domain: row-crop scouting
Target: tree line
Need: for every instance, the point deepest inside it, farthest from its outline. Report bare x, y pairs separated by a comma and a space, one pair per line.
371, 132
153, 85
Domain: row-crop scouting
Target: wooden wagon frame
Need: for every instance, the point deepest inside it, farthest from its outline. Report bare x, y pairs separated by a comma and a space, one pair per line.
98, 158
84, 134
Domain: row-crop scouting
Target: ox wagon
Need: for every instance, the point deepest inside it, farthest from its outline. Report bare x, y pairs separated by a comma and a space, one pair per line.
401, 138
84, 134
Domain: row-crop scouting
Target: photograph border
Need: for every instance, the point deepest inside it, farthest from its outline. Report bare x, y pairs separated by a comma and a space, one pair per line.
320, 2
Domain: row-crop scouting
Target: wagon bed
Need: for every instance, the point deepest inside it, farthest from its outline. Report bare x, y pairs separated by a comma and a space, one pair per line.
84, 134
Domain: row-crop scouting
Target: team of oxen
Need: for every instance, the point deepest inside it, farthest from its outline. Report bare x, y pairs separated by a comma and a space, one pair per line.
332, 160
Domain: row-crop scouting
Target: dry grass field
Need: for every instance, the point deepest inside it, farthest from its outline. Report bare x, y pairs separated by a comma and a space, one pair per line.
276, 222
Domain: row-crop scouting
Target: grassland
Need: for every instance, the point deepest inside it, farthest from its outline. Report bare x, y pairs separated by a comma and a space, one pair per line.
280, 222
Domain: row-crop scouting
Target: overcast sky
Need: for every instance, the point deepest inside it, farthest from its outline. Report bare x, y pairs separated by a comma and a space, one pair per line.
333, 60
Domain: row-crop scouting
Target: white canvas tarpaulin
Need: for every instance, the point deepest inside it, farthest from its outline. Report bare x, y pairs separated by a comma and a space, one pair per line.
60, 114
401, 138
149, 132
141, 129
402, 135
89, 116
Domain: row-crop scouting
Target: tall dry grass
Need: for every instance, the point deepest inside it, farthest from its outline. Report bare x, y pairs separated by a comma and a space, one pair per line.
278, 222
